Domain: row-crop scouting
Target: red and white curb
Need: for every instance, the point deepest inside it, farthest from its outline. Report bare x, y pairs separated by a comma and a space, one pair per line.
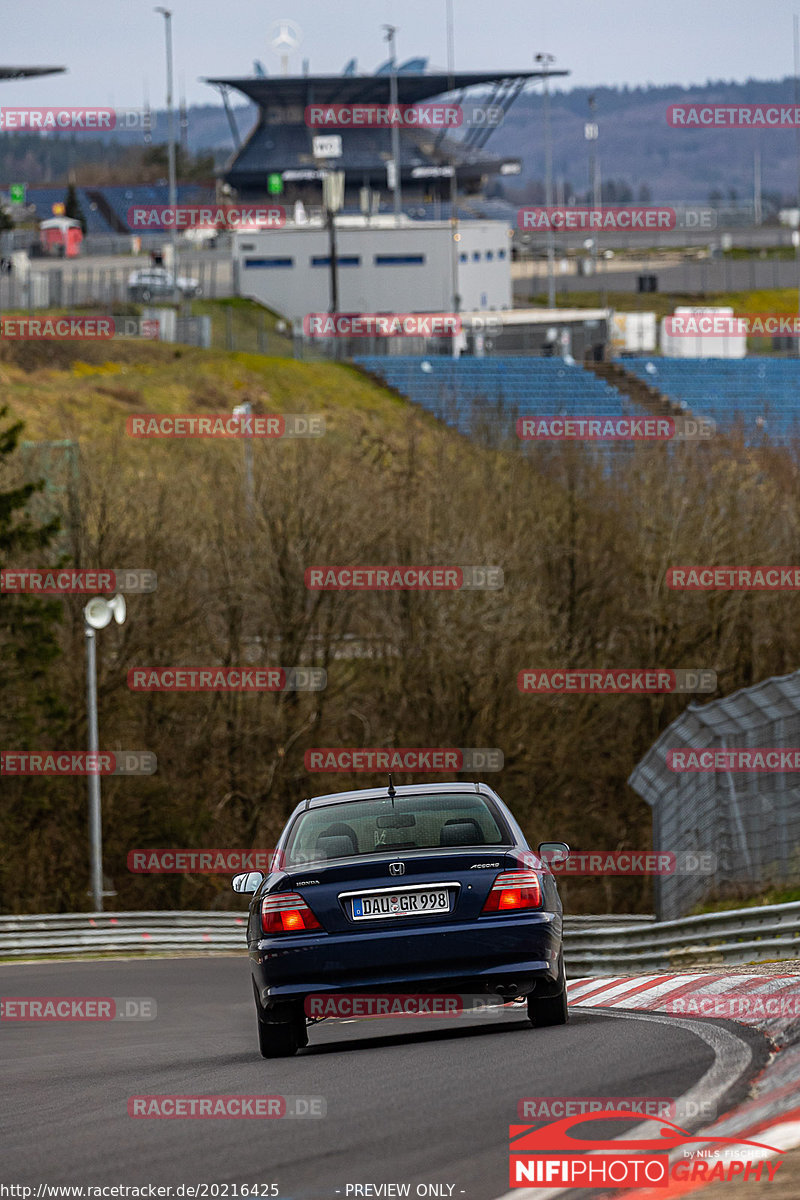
772, 1115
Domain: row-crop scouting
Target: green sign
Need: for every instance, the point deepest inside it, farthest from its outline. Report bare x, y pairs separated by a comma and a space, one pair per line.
16, 193
275, 184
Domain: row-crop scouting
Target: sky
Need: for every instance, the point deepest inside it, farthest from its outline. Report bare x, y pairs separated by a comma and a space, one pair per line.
114, 49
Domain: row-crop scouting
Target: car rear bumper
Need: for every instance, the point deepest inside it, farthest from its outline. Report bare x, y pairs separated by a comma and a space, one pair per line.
476, 958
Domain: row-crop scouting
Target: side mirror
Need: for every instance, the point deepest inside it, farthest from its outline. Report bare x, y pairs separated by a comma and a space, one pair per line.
250, 881
553, 852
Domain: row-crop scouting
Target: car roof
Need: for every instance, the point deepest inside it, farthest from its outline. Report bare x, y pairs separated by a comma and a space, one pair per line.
406, 789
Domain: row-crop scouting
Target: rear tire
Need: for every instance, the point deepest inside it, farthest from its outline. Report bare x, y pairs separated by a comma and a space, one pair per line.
282, 1038
277, 1041
550, 1010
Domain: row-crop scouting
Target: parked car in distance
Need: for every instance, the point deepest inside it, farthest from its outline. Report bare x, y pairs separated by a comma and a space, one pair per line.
152, 282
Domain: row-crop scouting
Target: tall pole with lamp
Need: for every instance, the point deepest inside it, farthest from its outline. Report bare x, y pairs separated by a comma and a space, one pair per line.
391, 30
546, 60
173, 187
96, 615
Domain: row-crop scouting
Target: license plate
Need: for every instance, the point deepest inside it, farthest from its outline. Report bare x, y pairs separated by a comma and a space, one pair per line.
400, 904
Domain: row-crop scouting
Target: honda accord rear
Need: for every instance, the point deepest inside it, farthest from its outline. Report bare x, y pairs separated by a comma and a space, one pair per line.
427, 889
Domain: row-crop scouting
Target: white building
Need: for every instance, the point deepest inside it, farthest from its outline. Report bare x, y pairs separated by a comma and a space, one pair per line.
384, 265
701, 345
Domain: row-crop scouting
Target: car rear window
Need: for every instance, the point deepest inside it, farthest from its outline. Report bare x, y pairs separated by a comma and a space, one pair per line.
419, 822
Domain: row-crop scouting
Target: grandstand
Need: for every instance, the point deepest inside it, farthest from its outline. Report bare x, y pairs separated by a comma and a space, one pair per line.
465, 392
761, 396
282, 144
758, 396
106, 208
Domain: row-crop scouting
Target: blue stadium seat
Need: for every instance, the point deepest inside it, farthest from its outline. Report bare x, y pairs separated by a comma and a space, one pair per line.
760, 396
470, 392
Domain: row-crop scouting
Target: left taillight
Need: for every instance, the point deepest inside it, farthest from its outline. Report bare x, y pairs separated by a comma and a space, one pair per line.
514, 890
287, 912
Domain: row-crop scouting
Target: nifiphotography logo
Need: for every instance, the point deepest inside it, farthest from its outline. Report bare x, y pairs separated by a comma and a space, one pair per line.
553, 1156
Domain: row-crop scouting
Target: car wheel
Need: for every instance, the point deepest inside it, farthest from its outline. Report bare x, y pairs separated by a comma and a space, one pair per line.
281, 1038
550, 1010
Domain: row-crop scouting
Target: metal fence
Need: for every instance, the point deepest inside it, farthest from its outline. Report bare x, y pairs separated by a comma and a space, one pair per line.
594, 945
723, 274
77, 285
748, 821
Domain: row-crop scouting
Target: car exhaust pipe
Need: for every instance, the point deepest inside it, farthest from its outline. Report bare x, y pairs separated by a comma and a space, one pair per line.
506, 989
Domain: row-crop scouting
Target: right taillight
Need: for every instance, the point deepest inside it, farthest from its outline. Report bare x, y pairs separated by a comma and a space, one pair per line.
513, 891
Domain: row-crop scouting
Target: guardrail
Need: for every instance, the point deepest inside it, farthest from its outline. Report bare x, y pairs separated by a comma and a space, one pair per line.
738, 936
595, 945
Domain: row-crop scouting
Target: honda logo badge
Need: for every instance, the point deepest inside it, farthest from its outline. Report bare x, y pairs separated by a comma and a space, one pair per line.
397, 868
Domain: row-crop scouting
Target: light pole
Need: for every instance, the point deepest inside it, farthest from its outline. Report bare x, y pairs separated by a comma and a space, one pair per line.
173, 189
96, 615
454, 235
333, 200
591, 133
546, 60
391, 30
796, 231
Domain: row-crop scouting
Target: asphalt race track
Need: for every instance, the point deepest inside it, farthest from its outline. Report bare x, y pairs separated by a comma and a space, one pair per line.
409, 1100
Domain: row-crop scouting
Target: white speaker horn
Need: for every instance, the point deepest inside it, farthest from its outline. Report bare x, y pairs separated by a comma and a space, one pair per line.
118, 608
98, 613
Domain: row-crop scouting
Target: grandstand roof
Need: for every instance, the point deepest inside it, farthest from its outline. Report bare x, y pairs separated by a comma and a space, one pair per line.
27, 72
364, 89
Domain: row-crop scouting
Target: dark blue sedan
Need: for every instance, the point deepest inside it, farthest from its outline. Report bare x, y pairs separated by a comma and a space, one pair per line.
423, 889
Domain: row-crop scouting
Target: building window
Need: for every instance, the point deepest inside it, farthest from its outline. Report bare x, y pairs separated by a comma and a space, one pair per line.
344, 260
501, 253
269, 262
476, 256
463, 257
399, 260
489, 255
